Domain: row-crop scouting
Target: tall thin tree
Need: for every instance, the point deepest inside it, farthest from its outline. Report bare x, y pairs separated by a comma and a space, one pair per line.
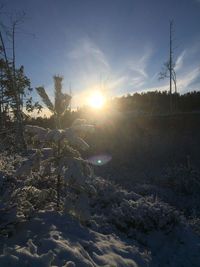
168, 70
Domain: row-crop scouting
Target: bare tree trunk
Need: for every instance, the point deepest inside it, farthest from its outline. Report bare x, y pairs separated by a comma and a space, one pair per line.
170, 66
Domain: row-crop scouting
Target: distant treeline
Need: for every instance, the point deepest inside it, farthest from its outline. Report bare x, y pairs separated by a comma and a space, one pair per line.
154, 103
158, 102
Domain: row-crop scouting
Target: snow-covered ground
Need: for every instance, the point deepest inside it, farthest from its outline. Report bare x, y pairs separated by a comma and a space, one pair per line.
52, 239
95, 222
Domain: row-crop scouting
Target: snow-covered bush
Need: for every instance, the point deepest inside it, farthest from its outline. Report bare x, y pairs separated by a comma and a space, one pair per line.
46, 177
109, 193
62, 162
25, 256
144, 215
181, 179
128, 211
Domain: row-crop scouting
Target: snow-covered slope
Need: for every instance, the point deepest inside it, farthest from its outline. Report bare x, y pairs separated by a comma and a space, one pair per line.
123, 228
52, 239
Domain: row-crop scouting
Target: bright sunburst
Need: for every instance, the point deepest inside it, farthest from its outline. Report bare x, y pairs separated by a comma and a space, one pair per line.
96, 100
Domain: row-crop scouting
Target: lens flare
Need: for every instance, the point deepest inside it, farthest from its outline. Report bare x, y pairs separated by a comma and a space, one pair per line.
99, 160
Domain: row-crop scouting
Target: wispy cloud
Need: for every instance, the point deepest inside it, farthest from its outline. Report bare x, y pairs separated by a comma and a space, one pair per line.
117, 82
137, 69
139, 65
188, 68
88, 52
188, 79
180, 60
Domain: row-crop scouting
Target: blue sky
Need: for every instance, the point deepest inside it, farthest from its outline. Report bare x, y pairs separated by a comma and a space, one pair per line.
118, 46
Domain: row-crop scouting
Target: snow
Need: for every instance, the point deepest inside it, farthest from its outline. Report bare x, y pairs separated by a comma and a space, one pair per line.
54, 135
52, 239
27, 165
98, 223
71, 134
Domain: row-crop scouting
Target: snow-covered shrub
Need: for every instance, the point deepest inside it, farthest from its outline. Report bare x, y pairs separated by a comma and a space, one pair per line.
128, 211
144, 215
107, 193
61, 162
22, 196
30, 198
181, 179
46, 177
72, 135
25, 256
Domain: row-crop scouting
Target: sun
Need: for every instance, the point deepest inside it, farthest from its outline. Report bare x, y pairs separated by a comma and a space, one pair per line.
96, 100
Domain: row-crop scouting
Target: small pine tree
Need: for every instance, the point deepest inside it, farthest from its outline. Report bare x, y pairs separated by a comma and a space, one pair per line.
61, 100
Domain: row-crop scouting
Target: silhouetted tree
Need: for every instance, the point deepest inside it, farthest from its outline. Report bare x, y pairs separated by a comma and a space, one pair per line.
61, 100
14, 85
168, 70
